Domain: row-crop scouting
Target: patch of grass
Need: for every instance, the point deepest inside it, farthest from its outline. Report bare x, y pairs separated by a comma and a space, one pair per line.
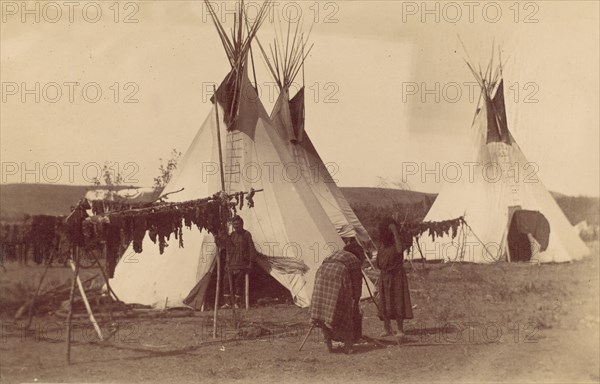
540, 295
19, 283
13, 297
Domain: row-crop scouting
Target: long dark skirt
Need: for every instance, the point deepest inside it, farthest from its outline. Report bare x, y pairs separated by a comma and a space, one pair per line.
394, 296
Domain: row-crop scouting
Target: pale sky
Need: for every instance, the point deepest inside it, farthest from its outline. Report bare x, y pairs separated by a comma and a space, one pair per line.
364, 79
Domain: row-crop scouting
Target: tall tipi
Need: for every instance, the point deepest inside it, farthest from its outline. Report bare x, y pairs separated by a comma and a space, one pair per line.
510, 215
288, 117
286, 221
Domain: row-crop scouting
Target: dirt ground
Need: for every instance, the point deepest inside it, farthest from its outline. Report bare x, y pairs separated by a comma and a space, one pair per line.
473, 323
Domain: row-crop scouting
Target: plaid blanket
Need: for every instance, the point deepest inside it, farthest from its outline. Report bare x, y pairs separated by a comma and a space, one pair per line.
354, 268
333, 304
345, 258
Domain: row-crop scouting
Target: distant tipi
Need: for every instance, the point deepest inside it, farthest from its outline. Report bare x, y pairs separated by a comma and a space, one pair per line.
510, 215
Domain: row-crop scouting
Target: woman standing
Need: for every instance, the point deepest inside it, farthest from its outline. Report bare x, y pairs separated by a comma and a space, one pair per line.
394, 296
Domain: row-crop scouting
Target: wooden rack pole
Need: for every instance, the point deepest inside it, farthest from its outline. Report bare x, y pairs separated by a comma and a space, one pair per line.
37, 291
71, 297
86, 302
247, 289
217, 293
220, 233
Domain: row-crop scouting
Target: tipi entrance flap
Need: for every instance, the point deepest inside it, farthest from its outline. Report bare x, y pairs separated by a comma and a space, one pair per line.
523, 225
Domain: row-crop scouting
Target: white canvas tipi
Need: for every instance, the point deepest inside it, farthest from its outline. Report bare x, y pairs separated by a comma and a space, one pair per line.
286, 221
510, 215
288, 119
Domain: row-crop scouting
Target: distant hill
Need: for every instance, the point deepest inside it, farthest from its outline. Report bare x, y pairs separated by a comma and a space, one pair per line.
17, 200
383, 197
579, 208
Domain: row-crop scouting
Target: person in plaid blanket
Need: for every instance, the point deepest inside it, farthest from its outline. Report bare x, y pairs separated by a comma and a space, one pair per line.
334, 306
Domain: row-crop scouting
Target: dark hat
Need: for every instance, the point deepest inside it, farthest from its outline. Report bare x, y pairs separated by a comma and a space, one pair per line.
237, 218
355, 249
